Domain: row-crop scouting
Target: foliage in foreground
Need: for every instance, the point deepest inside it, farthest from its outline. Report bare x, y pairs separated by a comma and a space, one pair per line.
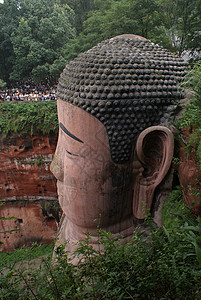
192, 115
28, 118
167, 265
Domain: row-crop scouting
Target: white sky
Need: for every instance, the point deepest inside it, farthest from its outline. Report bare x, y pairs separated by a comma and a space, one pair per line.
1, 1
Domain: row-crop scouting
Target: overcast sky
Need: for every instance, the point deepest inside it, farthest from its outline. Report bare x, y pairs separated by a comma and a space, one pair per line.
1, 1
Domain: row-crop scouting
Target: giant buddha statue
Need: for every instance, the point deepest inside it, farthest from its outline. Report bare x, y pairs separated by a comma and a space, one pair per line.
114, 149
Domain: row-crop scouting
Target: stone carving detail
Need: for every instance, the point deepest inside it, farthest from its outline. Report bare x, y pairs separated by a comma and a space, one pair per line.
128, 83
155, 147
112, 150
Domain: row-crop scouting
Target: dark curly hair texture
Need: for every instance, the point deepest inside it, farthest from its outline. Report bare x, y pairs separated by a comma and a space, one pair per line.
126, 82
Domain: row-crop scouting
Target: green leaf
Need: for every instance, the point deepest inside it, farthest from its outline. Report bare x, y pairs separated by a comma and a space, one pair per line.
198, 253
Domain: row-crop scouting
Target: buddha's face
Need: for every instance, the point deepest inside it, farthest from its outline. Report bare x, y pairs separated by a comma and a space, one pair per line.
92, 189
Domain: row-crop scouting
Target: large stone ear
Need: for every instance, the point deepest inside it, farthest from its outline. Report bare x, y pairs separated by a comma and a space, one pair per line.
154, 150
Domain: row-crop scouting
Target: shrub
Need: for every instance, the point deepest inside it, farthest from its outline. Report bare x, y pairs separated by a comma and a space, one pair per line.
163, 266
192, 115
28, 118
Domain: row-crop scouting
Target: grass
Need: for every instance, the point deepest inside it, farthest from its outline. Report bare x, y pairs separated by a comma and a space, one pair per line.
8, 259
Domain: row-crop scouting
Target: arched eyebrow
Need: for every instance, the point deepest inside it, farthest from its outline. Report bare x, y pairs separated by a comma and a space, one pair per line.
69, 133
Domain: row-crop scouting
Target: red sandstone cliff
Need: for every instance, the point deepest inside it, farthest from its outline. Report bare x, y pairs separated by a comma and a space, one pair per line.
28, 191
189, 176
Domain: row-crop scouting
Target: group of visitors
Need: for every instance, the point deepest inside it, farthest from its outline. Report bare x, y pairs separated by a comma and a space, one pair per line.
28, 91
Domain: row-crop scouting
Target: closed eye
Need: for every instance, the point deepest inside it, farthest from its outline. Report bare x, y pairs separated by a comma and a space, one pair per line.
69, 133
71, 153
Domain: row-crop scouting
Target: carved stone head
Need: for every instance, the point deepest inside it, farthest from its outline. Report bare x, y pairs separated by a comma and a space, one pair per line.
113, 149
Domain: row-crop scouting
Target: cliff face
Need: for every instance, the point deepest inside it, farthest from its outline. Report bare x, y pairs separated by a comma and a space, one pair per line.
27, 191
189, 176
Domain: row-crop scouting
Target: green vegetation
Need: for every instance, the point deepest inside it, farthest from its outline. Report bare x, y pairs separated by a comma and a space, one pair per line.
33, 34
166, 265
30, 117
38, 37
2, 84
175, 210
172, 24
8, 259
191, 118
81, 9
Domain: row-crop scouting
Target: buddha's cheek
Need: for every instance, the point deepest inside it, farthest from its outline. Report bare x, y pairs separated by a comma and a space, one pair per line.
91, 192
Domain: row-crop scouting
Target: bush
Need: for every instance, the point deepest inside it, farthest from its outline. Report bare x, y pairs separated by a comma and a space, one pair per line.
28, 118
192, 115
163, 266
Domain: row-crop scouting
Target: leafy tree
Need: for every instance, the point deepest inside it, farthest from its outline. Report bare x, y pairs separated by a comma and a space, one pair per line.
172, 24
81, 9
37, 37
2, 84
44, 27
126, 16
113, 17
182, 23
8, 22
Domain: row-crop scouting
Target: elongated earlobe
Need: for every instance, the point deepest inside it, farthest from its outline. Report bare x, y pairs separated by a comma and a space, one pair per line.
154, 150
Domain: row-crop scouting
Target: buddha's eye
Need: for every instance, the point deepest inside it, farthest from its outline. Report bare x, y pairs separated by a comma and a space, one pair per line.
71, 153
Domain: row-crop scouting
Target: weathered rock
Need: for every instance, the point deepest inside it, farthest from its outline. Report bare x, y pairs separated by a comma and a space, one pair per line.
28, 191
29, 226
189, 176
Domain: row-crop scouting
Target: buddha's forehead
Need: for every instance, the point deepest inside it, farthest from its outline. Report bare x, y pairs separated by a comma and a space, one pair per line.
126, 82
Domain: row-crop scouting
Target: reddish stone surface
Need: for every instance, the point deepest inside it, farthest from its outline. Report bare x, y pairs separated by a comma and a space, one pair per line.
29, 226
95, 191
189, 176
28, 190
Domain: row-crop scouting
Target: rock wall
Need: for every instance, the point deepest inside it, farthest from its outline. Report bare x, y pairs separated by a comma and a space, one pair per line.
27, 191
189, 177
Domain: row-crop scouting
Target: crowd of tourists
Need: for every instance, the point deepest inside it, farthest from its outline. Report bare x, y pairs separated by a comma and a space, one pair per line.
28, 91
